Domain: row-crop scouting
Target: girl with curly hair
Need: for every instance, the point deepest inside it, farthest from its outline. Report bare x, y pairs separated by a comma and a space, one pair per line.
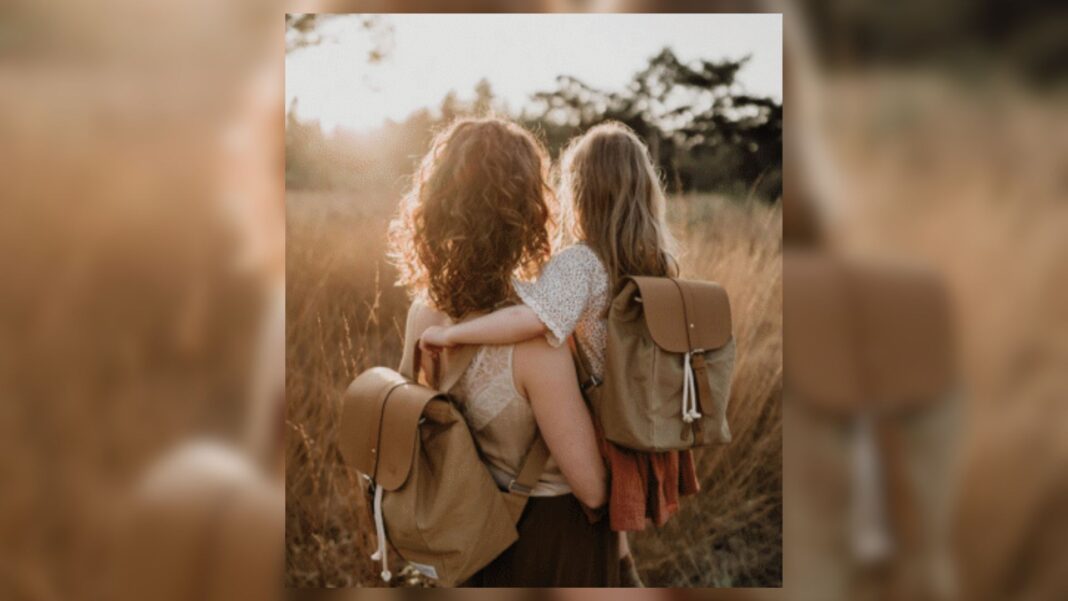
475, 222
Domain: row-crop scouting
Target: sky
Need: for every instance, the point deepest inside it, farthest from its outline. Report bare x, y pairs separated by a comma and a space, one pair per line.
518, 54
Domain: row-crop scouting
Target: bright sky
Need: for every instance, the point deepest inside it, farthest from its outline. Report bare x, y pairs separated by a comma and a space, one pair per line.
518, 54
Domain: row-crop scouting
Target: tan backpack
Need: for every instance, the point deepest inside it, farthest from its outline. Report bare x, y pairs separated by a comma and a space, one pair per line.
432, 498
668, 366
870, 404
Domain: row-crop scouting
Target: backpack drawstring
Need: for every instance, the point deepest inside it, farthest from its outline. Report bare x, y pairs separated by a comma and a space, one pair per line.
872, 540
380, 533
689, 391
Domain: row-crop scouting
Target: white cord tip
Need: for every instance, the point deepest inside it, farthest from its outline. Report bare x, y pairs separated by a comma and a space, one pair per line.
376, 556
386, 576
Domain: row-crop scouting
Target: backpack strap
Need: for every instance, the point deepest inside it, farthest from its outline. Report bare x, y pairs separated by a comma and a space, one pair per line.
417, 365
520, 487
586, 378
459, 359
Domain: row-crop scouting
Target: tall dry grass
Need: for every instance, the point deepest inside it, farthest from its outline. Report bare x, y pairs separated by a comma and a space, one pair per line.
344, 315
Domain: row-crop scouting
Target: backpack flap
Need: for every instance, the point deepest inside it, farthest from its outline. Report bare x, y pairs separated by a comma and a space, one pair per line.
685, 315
903, 314
864, 336
380, 419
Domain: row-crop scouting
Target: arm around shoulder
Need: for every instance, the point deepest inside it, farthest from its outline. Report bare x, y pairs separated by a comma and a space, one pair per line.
504, 326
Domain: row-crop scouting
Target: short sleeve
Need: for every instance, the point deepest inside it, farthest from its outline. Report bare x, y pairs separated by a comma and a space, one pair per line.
563, 292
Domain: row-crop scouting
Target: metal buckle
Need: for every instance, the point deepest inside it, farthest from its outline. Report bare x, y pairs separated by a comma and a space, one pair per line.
517, 488
593, 382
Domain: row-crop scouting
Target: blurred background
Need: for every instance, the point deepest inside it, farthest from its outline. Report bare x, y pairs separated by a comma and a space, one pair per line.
365, 94
142, 345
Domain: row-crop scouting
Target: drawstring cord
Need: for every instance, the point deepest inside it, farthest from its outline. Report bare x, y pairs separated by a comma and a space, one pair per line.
689, 391
872, 540
380, 533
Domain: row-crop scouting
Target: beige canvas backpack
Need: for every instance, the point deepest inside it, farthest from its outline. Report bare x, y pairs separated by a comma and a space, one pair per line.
871, 409
432, 498
668, 365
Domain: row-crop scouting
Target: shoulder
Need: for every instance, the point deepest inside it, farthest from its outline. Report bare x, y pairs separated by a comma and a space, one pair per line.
576, 258
421, 316
528, 361
579, 253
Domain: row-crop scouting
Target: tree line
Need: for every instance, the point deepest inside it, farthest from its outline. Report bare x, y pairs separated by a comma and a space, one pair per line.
704, 131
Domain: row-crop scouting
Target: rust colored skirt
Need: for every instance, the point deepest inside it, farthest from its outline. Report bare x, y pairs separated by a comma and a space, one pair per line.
557, 547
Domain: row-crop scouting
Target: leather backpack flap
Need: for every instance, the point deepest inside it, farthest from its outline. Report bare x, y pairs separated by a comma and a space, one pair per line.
685, 315
904, 319
380, 424
858, 336
820, 366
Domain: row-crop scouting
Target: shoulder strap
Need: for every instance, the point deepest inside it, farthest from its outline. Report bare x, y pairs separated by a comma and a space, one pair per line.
417, 366
519, 489
587, 380
459, 359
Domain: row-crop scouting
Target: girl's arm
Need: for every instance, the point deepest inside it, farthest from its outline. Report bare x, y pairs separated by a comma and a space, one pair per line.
552, 306
504, 326
562, 417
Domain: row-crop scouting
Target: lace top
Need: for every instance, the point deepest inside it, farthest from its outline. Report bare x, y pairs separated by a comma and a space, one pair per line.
571, 297
502, 420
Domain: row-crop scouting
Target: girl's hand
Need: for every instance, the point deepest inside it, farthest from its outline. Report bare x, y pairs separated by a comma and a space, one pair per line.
435, 338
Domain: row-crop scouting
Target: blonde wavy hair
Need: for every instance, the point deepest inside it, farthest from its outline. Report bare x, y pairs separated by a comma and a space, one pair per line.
477, 214
612, 199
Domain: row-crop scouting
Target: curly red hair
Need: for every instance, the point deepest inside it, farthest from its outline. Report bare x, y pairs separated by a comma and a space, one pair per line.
477, 214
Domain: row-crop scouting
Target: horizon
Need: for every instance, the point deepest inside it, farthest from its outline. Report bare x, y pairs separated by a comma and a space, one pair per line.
336, 85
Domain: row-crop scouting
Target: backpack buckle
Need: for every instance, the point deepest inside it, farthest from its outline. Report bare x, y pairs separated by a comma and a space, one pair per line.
593, 382
519, 489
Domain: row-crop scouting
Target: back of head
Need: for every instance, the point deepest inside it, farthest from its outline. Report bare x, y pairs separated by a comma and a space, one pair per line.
614, 202
477, 213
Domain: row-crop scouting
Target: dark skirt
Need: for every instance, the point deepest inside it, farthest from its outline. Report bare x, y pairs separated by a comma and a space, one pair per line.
557, 547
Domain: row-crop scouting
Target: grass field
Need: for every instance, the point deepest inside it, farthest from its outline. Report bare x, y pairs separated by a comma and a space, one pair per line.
344, 314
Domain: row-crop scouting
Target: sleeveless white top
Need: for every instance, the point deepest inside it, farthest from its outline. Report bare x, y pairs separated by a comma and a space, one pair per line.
502, 420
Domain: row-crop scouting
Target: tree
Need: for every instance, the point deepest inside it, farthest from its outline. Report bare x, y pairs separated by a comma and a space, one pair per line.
450, 107
307, 30
702, 130
483, 98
